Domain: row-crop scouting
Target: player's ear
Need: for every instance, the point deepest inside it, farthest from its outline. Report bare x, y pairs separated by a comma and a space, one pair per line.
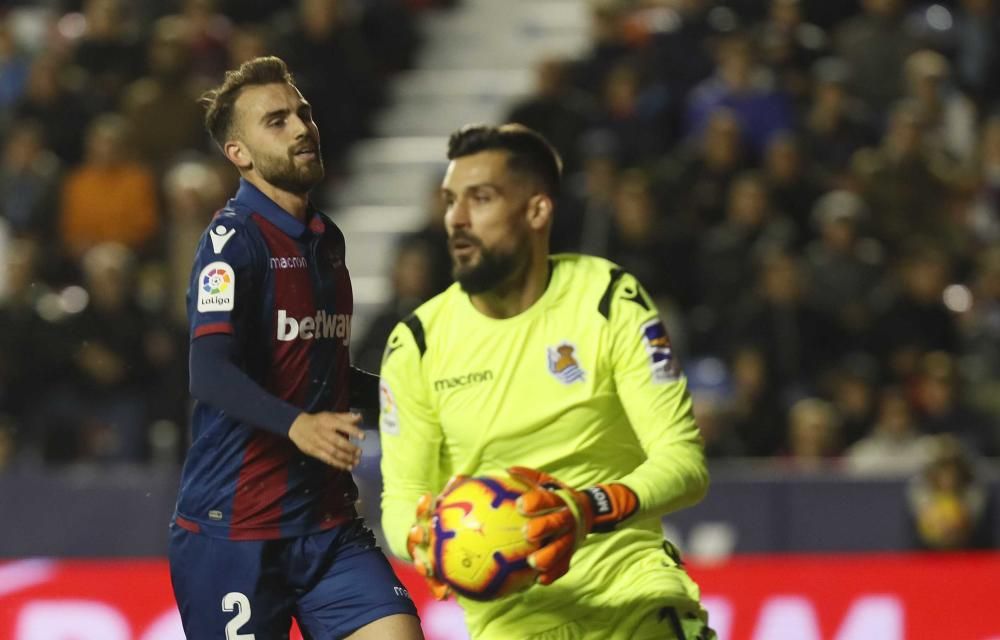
238, 154
540, 208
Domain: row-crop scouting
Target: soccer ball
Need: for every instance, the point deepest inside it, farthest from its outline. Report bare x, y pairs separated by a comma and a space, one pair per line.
479, 546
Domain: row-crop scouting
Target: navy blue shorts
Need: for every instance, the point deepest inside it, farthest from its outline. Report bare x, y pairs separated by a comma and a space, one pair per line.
333, 583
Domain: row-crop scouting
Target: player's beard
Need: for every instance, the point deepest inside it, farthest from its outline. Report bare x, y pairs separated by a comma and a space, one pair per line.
290, 174
492, 270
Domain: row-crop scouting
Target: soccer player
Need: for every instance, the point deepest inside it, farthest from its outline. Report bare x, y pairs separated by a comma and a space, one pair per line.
265, 528
558, 368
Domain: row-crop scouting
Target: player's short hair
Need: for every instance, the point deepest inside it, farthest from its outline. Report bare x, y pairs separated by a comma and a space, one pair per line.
218, 102
529, 152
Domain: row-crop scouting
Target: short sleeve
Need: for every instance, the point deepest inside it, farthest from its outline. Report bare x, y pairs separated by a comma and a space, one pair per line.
222, 279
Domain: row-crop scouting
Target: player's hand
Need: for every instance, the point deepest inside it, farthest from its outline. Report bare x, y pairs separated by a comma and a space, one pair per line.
327, 436
419, 543
561, 517
421, 539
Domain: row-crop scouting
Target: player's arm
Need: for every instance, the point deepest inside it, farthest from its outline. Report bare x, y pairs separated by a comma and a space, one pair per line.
654, 395
221, 289
410, 434
653, 390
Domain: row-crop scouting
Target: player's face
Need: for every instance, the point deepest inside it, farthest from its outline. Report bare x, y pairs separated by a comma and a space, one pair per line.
275, 124
485, 206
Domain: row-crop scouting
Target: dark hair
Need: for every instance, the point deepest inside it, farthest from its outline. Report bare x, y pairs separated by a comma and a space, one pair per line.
530, 152
218, 102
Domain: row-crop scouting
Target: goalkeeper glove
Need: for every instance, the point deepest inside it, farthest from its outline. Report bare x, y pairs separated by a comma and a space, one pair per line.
420, 543
561, 517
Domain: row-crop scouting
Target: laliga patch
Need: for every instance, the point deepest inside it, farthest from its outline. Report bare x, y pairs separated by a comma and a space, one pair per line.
388, 417
216, 288
219, 236
563, 363
661, 358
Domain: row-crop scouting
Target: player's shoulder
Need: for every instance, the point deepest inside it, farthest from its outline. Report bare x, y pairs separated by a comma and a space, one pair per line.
599, 281
231, 234
415, 328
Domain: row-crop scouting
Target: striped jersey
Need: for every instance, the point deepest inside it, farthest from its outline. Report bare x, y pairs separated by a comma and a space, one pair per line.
281, 288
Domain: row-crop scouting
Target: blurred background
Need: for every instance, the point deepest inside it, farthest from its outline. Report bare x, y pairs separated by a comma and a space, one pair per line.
809, 188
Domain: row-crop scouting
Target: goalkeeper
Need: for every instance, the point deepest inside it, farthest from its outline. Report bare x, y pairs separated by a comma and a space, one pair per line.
557, 369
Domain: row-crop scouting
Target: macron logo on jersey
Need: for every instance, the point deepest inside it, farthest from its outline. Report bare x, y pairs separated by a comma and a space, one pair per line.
321, 325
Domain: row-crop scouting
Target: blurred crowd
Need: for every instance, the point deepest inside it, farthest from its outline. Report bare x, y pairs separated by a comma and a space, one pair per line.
810, 189
107, 178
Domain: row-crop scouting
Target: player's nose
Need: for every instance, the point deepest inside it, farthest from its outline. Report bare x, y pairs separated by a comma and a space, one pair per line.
457, 215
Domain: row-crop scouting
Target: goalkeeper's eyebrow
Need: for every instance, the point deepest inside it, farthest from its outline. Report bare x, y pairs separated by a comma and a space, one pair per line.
447, 193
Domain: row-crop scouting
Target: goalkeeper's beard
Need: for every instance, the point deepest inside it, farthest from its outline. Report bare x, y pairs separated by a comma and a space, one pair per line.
492, 269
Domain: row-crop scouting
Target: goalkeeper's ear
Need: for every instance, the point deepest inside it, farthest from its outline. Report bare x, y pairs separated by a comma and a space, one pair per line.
539, 212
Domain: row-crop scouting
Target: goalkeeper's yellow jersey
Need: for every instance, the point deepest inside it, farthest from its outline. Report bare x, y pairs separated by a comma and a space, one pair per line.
582, 385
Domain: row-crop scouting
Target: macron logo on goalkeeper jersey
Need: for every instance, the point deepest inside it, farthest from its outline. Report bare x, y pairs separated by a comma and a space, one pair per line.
321, 325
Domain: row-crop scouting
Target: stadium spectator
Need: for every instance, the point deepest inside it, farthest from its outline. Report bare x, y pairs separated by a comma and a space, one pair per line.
727, 252
834, 124
29, 180
813, 435
14, 65
434, 238
789, 45
746, 87
915, 320
875, 44
980, 333
895, 445
109, 51
798, 341
637, 241
949, 116
412, 284
109, 197
977, 54
947, 502
53, 99
844, 267
904, 181
943, 409
208, 33
694, 180
983, 215
758, 418
853, 388
790, 180
167, 95
556, 110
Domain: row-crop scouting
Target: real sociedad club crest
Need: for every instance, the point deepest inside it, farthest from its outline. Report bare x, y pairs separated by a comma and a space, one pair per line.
564, 365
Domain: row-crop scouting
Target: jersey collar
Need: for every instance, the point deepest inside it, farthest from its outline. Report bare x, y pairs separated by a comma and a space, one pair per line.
252, 197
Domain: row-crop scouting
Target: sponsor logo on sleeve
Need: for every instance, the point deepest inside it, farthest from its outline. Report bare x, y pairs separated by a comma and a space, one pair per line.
662, 363
220, 235
216, 288
388, 419
564, 365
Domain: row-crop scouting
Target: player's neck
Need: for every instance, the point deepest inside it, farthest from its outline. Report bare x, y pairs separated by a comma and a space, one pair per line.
296, 204
517, 294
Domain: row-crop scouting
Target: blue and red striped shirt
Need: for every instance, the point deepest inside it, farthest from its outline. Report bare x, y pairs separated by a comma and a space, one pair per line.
281, 289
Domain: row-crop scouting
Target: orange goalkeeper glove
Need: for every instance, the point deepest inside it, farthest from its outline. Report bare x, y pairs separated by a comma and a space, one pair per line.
420, 542
561, 517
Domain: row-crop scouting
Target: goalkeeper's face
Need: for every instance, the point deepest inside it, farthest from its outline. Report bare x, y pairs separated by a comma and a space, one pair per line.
485, 215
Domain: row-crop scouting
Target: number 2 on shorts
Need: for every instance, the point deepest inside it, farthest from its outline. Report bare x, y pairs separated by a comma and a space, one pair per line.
234, 600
